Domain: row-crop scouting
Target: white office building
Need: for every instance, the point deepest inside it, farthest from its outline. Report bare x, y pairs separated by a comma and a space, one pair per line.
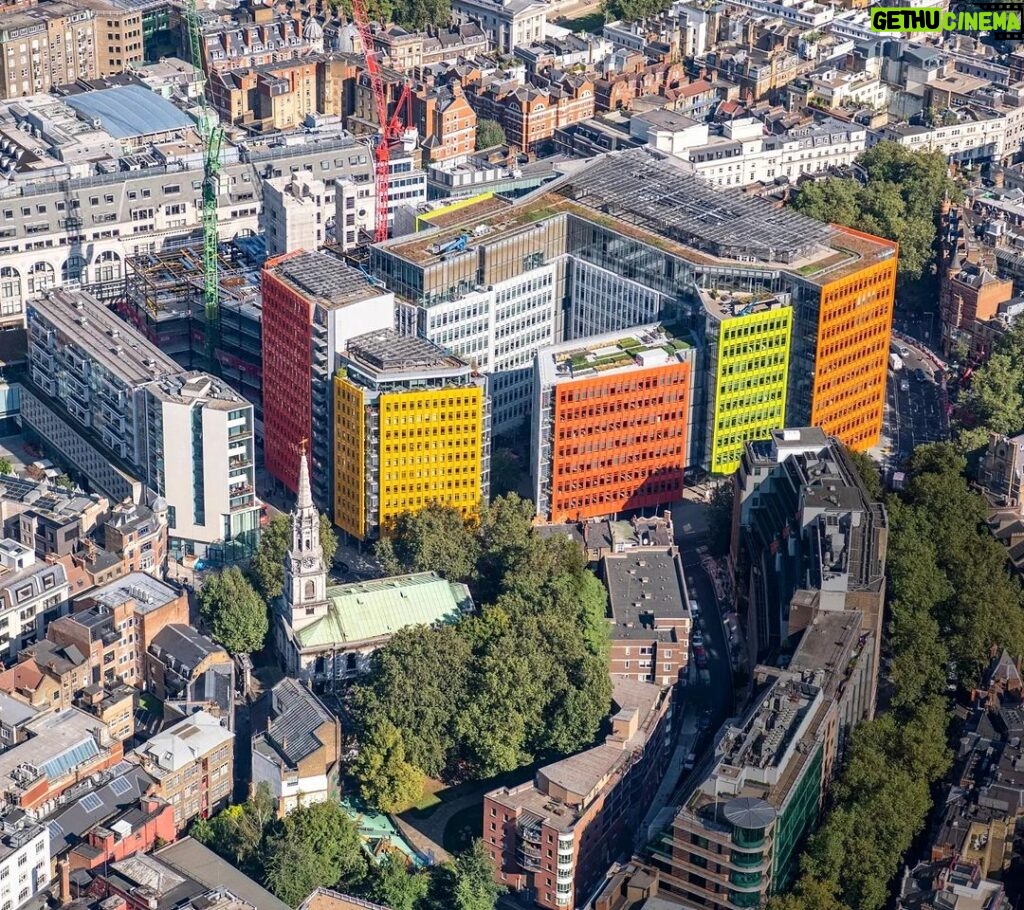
742, 153
186, 435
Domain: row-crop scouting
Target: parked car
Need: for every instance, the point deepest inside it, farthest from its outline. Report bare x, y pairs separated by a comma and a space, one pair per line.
691, 760
698, 638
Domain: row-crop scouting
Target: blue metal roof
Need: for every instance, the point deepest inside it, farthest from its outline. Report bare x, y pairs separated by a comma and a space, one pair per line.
129, 110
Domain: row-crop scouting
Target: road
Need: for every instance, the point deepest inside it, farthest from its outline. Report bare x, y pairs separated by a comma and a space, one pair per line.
914, 408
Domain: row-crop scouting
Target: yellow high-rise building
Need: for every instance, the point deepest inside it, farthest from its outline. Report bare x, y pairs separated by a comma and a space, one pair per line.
411, 427
748, 347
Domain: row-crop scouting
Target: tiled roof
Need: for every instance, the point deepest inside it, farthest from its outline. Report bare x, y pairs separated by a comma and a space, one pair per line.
367, 610
294, 714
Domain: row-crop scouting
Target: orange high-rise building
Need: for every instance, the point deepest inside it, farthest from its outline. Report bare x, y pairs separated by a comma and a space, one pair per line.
854, 325
611, 418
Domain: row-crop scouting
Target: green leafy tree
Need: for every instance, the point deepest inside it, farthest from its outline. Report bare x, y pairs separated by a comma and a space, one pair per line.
474, 887
237, 615
435, 539
64, 481
834, 201
489, 134
868, 473
810, 893
5, 466
267, 563
631, 10
314, 846
410, 14
720, 519
899, 200
417, 683
386, 780
237, 832
994, 396
328, 540
394, 885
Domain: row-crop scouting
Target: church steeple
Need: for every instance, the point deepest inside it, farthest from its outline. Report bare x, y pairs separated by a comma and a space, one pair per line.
304, 500
305, 582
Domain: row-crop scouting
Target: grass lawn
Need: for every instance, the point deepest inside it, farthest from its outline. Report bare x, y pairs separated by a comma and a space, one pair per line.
592, 22
429, 801
462, 827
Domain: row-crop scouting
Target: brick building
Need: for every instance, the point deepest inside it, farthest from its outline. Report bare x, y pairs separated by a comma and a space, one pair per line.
296, 746
555, 836
649, 613
969, 295
62, 749
445, 121
193, 764
114, 626
531, 113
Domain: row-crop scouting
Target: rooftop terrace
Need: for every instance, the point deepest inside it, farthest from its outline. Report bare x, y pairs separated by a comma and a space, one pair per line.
652, 199
644, 346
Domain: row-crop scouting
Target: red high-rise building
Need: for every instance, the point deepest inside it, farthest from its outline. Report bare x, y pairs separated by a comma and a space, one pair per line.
303, 296
287, 370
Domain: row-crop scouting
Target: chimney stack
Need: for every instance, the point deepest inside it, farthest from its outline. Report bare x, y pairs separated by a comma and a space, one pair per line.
64, 873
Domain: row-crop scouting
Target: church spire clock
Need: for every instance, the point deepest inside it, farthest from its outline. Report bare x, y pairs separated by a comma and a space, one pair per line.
305, 581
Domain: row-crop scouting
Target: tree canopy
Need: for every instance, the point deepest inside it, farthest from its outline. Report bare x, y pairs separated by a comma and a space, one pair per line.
900, 200
631, 10
993, 401
314, 846
411, 14
526, 677
489, 133
236, 614
319, 846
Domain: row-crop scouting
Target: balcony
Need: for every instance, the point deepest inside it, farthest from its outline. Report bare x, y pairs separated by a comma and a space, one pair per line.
528, 857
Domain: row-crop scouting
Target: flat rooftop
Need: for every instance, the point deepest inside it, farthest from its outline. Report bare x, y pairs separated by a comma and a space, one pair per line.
85, 322
655, 200
645, 346
587, 773
387, 351
322, 278
148, 592
646, 589
59, 743
184, 388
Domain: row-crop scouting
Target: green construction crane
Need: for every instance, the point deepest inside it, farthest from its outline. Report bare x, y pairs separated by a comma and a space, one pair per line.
211, 134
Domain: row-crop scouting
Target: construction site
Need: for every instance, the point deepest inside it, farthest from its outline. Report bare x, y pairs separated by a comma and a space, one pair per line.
164, 299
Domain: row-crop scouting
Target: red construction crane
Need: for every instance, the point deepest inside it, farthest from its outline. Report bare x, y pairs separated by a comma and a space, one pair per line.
390, 127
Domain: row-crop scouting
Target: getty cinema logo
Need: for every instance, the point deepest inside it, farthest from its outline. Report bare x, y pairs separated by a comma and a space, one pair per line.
1001, 20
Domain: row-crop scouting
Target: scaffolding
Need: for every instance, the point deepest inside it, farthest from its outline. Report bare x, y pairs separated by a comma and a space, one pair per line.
165, 300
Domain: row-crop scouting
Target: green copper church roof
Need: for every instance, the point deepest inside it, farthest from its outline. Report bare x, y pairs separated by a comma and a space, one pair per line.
365, 610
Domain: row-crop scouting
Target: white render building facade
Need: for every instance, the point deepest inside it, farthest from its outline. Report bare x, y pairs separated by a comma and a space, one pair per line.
108, 385
24, 865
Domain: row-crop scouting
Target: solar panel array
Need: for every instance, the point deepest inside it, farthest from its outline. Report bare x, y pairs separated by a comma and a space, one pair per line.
660, 196
91, 802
